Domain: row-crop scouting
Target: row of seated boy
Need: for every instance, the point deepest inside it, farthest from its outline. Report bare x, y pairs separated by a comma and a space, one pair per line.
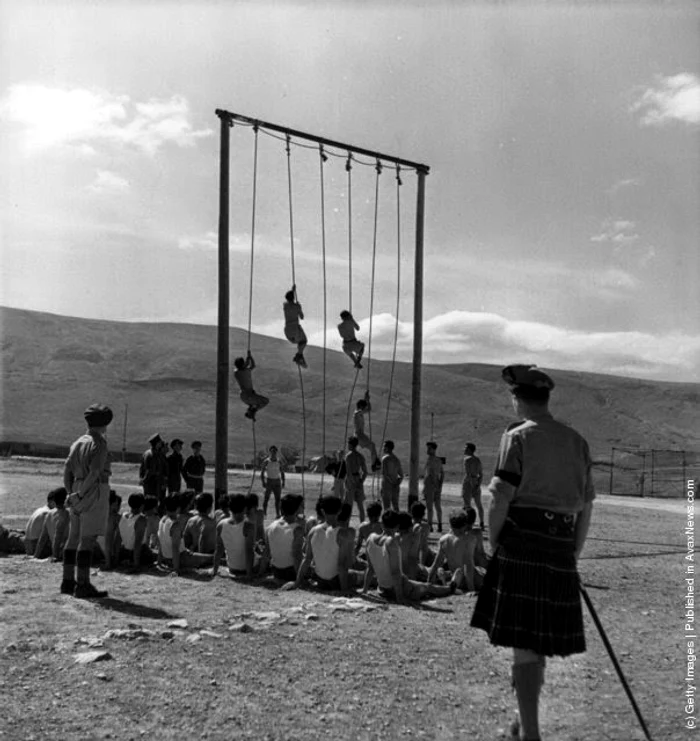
389, 550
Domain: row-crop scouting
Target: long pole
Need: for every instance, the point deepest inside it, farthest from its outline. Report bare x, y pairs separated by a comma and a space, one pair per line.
126, 416
417, 340
616, 663
222, 346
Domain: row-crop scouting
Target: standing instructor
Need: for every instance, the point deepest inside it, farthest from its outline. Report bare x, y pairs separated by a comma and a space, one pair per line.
540, 513
86, 477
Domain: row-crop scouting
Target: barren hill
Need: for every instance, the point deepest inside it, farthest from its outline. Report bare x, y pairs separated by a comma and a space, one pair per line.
54, 366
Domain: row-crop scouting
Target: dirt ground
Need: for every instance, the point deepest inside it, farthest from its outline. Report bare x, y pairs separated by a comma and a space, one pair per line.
253, 662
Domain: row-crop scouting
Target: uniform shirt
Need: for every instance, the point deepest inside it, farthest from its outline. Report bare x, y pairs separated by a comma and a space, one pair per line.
174, 466
87, 451
472, 468
292, 312
195, 465
543, 464
127, 530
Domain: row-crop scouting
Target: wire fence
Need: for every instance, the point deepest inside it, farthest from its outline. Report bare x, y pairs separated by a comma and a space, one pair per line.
645, 472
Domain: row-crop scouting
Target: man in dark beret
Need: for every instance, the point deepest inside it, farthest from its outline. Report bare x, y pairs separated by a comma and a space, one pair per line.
153, 469
86, 477
542, 499
194, 468
174, 466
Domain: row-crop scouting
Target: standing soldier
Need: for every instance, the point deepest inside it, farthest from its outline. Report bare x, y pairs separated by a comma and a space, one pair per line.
152, 473
471, 483
538, 521
86, 477
433, 477
392, 476
272, 477
194, 468
174, 466
355, 475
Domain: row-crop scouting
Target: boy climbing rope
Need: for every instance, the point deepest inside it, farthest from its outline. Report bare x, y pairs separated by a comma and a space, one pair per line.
363, 407
292, 329
244, 375
352, 347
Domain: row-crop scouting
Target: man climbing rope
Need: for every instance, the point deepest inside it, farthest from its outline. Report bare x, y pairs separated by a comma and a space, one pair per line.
363, 407
244, 376
292, 329
352, 347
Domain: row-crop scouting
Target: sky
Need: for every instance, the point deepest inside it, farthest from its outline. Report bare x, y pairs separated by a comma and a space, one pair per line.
561, 214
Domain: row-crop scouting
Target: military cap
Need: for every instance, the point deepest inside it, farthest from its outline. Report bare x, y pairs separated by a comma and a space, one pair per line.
175, 442
154, 439
527, 375
98, 415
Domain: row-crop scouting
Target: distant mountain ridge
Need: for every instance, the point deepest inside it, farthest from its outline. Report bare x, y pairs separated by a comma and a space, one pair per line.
54, 366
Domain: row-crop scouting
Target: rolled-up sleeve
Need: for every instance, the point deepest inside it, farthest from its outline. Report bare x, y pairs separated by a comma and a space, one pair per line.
508, 473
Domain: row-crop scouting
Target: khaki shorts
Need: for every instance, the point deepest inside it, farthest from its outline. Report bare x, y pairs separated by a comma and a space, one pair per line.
354, 492
432, 492
91, 521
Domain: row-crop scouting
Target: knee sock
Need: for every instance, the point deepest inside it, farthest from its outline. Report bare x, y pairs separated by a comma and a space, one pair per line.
528, 680
84, 561
69, 564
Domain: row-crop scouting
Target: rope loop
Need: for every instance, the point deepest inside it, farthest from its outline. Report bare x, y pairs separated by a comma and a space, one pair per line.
348, 162
323, 155
288, 147
378, 167
398, 175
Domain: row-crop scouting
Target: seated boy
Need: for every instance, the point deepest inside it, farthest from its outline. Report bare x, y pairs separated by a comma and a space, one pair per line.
456, 548
315, 519
352, 347
244, 376
108, 543
200, 531
222, 511
150, 511
426, 555
323, 548
384, 561
256, 516
369, 526
284, 539
132, 534
409, 542
236, 540
35, 525
56, 525
171, 548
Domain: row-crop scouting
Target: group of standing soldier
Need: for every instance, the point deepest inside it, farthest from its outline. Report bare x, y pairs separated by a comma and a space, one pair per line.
162, 473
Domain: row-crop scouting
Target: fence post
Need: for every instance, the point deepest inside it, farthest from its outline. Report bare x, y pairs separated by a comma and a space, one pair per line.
612, 468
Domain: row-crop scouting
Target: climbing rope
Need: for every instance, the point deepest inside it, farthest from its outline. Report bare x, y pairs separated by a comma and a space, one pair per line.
291, 241
398, 298
348, 169
252, 235
322, 160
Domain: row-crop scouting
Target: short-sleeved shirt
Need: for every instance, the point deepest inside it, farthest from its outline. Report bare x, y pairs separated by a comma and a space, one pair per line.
549, 465
90, 448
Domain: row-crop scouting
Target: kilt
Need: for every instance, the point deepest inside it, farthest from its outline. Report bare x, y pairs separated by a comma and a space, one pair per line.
530, 598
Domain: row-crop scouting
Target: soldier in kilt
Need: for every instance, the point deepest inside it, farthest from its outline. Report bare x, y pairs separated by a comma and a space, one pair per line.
540, 513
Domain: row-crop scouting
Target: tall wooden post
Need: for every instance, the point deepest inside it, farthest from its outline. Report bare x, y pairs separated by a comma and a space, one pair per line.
222, 347
414, 465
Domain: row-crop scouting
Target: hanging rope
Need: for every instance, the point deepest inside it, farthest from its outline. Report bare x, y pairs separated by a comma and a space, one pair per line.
291, 241
398, 297
348, 169
291, 210
322, 160
255, 460
252, 234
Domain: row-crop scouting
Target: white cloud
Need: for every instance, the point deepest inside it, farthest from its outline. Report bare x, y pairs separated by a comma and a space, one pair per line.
620, 233
474, 337
109, 182
673, 98
82, 119
622, 185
